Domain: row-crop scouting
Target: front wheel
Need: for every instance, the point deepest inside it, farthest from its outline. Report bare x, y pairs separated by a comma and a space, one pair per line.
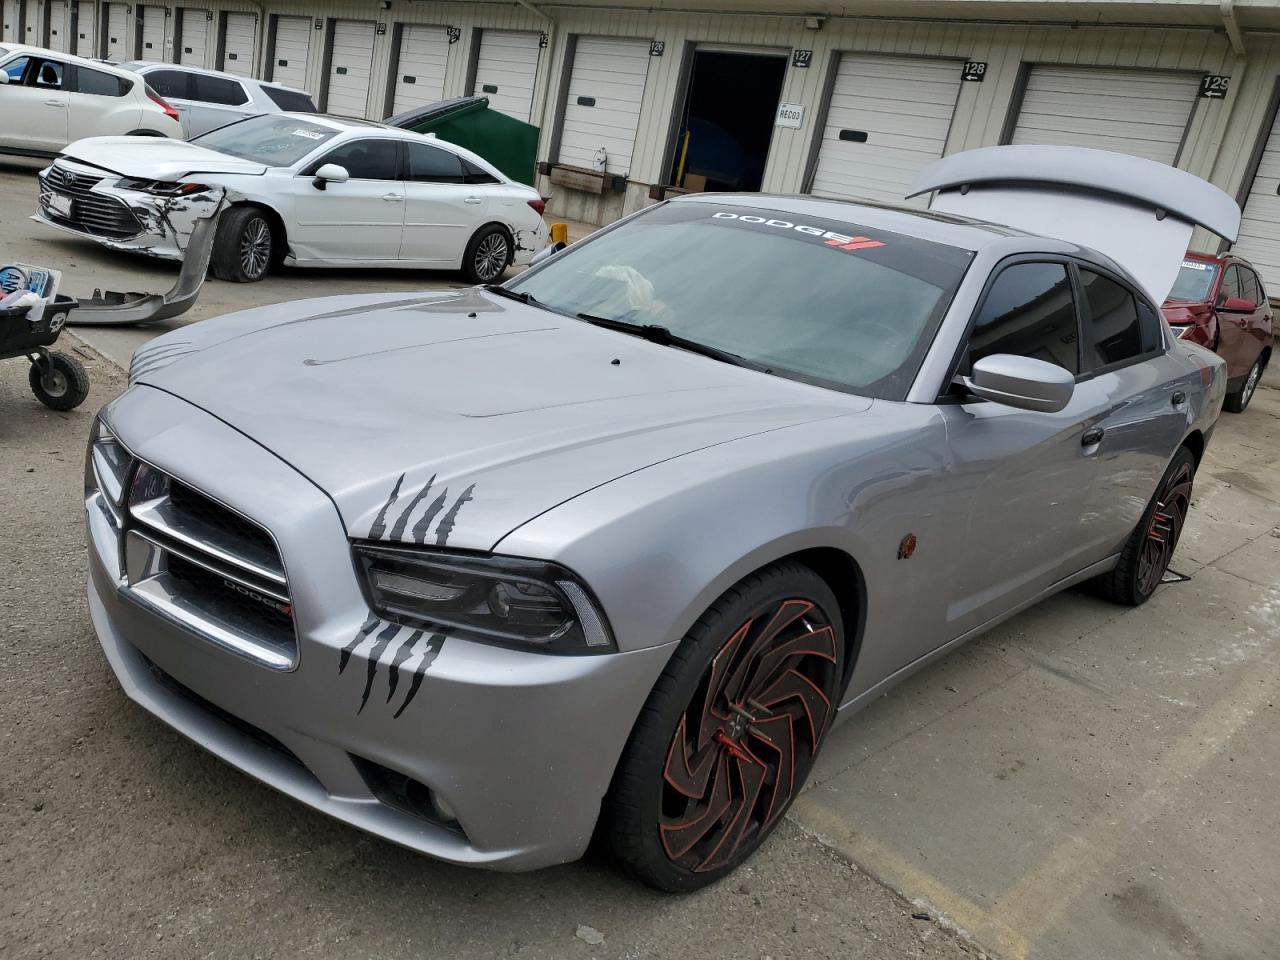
487, 255
1147, 553
243, 245
1236, 402
729, 732
60, 382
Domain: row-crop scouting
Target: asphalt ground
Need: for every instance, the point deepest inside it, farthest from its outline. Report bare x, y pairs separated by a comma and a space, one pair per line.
1085, 781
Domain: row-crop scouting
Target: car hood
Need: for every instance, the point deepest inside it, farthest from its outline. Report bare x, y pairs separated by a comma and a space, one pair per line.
455, 418
1185, 311
156, 158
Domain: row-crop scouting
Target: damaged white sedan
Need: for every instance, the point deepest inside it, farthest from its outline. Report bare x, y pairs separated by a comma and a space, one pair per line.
302, 190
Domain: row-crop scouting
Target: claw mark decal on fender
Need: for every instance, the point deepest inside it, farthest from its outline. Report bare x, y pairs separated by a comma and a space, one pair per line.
447, 521
380, 523
397, 531
419, 531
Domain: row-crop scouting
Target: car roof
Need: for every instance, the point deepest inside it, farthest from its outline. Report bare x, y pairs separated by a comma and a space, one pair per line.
138, 66
106, 66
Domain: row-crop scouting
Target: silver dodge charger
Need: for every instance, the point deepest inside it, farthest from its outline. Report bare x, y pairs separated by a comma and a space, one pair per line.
610, 547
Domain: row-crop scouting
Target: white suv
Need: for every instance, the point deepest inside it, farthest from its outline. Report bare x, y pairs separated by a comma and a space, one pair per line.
48, 99
208, 99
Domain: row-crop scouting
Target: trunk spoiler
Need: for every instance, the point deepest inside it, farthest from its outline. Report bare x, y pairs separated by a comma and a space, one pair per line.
115, 308
1138, 212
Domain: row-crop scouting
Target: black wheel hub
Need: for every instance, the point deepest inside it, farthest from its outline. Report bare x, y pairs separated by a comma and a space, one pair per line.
1172, 506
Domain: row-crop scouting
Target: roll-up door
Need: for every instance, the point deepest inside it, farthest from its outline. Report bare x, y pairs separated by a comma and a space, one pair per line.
1140, 112
151, 33
1260, 226
290, 50
10, 26
117, 45
193, 38
506, 68
239, 43
84, 29
350, 66
602, 110
29, 17
420, 64
57, 26
887, 118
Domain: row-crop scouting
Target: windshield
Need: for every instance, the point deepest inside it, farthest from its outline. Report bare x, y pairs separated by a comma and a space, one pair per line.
1194, 282
271, 139
826, 302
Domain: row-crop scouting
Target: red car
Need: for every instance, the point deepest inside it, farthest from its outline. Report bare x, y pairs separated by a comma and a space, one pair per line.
1219, 302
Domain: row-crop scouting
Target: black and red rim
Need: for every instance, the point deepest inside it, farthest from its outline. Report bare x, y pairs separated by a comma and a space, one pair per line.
746, 741
1165, 528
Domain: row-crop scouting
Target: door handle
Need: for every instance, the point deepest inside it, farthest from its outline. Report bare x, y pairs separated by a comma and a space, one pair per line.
392, 197
1092, 437
473, 200
55, 103
1178, 398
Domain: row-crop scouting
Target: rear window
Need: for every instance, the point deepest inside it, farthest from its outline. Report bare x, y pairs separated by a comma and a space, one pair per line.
1194, 282
270, 139
1113, 320
294, 101
218, 90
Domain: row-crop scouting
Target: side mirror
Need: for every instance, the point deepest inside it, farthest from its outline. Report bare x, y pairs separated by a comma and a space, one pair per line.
4, 78
546, 253
1237, 305
329, 173
1022, 382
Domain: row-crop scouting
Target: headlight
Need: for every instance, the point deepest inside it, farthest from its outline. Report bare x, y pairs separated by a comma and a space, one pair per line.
504, 600
161, 188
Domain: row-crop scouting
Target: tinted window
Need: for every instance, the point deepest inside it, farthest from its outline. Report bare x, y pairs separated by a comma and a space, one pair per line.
475, 174
48, 75
290, 100
16, 68
1194, 282
1029, 312
1248, 286
840, 304
1230, 283
364, 159
217, 90
428, 164
1113, 320
99, 84
1262, 290
272, 139
170, 83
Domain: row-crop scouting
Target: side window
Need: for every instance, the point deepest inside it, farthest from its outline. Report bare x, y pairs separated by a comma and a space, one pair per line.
170, 83
364, 159
1230, 284
15, 68
1248, 285
1261, 290
428, 164
475, 174
1029, 311
48, 75
1113, 320
218, 90
98, 83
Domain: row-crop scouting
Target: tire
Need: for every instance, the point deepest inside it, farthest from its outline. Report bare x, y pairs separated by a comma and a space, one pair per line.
62, 385
488, 255
1236, 402
244, 246
1147, 552
694, 749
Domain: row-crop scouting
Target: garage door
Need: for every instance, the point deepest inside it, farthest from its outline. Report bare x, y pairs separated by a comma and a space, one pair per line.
117, 45
193, 41
290, 51
350, 64
239, 42
1141, 112
1260, 226
420, 66
86, 29
151, 33
58, 26
888, 117
10, 25
602, 110
506, 68
30, 19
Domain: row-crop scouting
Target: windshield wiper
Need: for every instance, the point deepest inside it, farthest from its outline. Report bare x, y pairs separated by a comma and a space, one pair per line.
656, 333
526, 298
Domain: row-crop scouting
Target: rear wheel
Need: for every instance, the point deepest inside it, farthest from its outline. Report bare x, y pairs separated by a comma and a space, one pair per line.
1236, 402
243, 246
729, 732
60, 382
1150, 547
487, 255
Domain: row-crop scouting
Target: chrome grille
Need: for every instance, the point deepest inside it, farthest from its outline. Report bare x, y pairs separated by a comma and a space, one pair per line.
192, 559
94, 213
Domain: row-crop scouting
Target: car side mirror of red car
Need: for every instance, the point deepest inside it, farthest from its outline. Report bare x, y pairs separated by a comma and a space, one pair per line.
1238, 305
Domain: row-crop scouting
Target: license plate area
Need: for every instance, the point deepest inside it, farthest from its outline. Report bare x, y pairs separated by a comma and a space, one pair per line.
60, 205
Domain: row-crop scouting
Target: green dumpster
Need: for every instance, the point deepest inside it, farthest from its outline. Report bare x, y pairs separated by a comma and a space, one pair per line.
509, 144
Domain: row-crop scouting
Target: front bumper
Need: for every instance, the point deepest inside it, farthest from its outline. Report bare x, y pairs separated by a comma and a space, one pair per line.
521, 746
